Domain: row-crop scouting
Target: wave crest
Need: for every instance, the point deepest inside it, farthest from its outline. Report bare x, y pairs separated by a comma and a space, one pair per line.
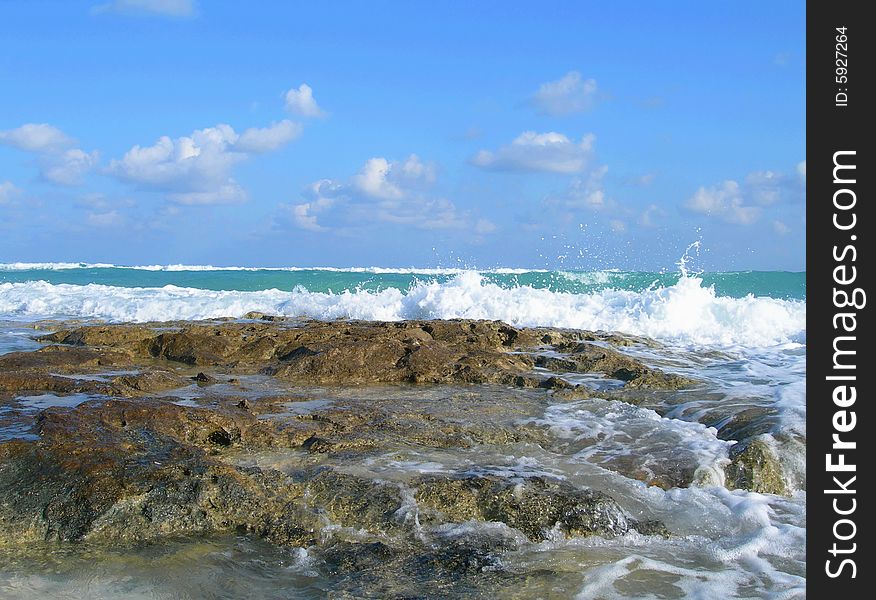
687, 312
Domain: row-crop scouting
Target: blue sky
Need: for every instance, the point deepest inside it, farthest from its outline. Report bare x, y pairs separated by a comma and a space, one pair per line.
536, 134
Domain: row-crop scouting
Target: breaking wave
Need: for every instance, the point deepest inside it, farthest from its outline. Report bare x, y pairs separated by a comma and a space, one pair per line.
687, 312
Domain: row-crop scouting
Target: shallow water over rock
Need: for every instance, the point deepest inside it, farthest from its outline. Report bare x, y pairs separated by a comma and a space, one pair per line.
476, 471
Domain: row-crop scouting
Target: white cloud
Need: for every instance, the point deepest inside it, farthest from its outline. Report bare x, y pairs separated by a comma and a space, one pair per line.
170, 8
301, 102
227, 193
547, 152
765, 187
588, 192
724, 201
413, 169
196, 169
618, 226
568, 95
8, 192
373, 180
69, 167
266, 139
305, 215
324, 188
196, 166
780, 228
386, 180
36, 137
59, 161
743, 203
384, 191
584, 192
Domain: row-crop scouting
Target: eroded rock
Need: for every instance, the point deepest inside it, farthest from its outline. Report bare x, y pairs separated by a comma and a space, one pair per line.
130, 467
358, 352
126, 471
754, 466
534, 505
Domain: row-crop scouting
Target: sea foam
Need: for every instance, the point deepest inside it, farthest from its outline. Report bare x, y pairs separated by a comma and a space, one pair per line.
687, 312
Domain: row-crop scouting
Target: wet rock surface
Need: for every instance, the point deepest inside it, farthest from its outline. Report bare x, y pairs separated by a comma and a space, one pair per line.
396, 435
754, 466
149, 484
348, 353
127, 471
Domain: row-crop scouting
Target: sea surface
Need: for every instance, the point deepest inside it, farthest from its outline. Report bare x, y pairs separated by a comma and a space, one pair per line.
741, 333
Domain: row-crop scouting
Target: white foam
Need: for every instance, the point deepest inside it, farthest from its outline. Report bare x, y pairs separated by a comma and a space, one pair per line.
51, 266
726, 545
612, 430
591, 277
686, 312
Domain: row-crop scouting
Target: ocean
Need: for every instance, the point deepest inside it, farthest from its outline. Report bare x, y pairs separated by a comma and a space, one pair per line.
747, 308
742, 334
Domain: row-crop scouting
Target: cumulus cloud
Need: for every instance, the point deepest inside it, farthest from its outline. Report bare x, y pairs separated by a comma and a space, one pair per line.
587, 192
227, 193
36, 137
196, 169
267, 139
168, 8
305, 215
69, 167
383, 191
743, 203
583, 192
766, 187
8, 192
385, 180
772, 187
59, 161
567, 95
301, 102
374, 180
545, 152
193, 169
724, 201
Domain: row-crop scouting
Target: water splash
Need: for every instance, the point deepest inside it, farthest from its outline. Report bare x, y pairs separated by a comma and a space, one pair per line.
687, 258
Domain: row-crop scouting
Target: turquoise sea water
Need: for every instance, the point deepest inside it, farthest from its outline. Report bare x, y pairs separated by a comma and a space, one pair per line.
748, 309
738, 284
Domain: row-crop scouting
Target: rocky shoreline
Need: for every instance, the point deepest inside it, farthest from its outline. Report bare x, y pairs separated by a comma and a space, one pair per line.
104, 448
